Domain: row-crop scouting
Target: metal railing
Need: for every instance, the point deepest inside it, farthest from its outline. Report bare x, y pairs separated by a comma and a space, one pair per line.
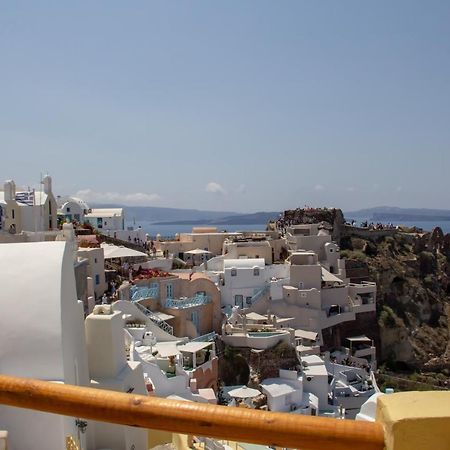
155, 319
259, 295
209, 337
183, 303
199, 419
141, 292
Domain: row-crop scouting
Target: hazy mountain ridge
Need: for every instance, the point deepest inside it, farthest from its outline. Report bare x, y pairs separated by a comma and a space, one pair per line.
156, 214
236, 219
180, 216
392, 213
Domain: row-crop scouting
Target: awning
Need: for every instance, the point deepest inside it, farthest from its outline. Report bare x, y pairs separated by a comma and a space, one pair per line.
166, 349
114, 251
329, 277
284, 319
256, 316
359, 339
311, 335
193, 347
197, 251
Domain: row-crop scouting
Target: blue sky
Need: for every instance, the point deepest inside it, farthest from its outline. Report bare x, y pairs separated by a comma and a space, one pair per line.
236, 105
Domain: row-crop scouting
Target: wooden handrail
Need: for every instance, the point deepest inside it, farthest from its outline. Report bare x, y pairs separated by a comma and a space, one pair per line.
237, 424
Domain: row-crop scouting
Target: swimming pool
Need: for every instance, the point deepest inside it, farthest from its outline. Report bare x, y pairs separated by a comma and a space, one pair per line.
264, 333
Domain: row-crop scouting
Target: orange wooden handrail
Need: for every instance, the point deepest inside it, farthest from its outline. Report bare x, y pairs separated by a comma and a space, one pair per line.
237, 424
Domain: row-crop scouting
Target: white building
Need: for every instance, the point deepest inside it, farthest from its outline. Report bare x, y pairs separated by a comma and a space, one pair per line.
317, 293
304, 392
28, 209
72, 208
96, 268
43, 336
109, 369
243, 278
244, 282
106, 218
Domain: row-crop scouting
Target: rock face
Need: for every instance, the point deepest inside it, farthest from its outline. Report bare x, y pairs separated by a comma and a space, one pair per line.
241, 365
412, 272
334, 217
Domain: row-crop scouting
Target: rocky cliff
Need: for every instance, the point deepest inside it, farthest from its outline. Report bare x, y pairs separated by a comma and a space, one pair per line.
412, 272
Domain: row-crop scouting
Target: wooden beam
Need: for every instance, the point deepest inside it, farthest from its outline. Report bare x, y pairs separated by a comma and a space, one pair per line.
230, 423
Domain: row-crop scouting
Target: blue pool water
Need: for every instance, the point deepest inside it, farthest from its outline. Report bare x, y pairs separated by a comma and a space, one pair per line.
263, 333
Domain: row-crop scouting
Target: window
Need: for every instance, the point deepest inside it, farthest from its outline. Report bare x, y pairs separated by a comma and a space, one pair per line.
97, 279
195, 319
256, 271
248, 300
169, 290
67, 209
95, 260
233, 272
13, 215
331, 250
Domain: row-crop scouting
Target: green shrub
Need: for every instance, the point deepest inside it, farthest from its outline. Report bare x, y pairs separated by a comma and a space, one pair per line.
387, 318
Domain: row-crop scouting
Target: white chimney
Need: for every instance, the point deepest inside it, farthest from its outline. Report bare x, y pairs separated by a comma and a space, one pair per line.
47, 182
10, 190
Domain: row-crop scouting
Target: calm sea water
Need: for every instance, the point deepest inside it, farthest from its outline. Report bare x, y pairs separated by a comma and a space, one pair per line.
171, 230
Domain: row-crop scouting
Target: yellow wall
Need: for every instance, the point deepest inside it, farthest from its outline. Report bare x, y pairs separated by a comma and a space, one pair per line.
415, 420
157, 437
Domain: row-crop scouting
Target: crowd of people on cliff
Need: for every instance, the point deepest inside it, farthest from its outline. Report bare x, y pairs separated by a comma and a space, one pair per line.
374, 226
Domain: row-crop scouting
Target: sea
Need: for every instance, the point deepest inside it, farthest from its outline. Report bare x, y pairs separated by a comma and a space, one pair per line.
168, 231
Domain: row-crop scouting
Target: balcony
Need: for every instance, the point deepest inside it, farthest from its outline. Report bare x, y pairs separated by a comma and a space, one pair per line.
362, 303
330, 319
141, 292
188, 302
409, 420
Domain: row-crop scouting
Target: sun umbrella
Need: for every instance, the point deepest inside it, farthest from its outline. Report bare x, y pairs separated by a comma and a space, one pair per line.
113, 251
244, 392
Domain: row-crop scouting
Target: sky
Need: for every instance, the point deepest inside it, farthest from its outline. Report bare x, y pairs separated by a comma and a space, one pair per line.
238, 105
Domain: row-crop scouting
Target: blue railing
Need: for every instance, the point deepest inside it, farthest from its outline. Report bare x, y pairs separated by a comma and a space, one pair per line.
184, 303
155, 319
259, 295
205, 338
141, 292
